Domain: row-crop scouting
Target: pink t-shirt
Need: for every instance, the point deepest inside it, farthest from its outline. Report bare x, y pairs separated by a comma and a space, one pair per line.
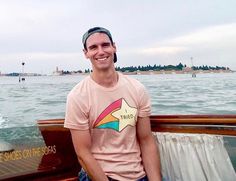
111, 115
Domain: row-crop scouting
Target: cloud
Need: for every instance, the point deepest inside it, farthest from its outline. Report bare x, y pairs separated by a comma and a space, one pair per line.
164, 50
29, 28
213, 45
213, 37
213, 34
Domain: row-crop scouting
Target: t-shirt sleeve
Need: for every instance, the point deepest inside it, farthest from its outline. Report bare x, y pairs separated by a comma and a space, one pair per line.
145, 103
76, 116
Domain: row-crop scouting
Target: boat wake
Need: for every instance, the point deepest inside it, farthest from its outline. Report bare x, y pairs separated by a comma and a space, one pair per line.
5, 122
2, 121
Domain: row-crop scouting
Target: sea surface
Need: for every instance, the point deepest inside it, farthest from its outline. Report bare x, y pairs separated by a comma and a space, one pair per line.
44, 97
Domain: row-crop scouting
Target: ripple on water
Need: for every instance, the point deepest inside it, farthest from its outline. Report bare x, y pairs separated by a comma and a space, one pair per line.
1, 121
5, 122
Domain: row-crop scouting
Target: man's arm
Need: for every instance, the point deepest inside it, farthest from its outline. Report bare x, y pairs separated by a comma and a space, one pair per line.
149, 149
82, 144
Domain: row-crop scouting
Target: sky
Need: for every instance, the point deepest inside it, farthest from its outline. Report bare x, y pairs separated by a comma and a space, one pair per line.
46, 34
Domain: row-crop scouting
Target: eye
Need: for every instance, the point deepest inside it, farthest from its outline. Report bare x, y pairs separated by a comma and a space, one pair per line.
106, 44
93, 47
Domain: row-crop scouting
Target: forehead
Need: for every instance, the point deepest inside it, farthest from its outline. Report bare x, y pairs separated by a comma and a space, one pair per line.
97, 38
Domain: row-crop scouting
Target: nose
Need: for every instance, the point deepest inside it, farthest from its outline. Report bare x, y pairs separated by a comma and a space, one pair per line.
100, 50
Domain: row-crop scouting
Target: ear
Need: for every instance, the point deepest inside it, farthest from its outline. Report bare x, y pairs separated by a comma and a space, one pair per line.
85, 53
114, 46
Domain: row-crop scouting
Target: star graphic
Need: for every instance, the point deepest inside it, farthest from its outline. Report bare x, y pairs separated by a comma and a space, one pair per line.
126, 115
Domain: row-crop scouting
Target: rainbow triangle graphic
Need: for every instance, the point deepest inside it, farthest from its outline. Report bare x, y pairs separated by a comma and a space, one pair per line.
106, 119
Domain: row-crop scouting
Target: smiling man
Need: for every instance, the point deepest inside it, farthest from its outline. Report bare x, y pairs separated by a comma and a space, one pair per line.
108, 117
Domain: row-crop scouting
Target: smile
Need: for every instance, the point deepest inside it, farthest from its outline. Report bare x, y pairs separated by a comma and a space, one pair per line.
102, 59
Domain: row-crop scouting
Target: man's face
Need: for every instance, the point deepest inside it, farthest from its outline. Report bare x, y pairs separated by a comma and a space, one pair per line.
100, 51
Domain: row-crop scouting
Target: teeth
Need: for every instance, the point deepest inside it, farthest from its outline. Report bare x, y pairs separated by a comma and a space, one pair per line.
101, 59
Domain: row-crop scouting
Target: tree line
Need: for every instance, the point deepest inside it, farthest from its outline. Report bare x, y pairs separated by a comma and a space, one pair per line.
155, 67
178, 67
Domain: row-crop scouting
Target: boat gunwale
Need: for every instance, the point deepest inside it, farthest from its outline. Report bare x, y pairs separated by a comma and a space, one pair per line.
199, 124
171, 119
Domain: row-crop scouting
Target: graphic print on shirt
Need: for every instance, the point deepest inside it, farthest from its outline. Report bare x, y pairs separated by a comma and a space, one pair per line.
117, 116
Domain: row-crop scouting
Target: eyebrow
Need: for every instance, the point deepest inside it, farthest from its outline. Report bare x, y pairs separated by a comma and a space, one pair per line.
102, 44
92, 46
106, 43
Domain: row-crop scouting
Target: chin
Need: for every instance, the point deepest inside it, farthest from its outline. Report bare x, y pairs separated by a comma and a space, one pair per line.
103, 67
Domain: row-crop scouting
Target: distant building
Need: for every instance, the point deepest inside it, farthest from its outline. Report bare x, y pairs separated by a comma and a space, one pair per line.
187, 69
57, 72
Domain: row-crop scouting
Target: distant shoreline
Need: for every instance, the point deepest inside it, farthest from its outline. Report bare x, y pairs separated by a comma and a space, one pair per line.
177, 72
159, 72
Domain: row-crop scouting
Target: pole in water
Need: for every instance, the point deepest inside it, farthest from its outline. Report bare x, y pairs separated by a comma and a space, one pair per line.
23, 63
193, 73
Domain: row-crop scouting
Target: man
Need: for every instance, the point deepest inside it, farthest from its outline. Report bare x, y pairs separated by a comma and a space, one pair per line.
108, 117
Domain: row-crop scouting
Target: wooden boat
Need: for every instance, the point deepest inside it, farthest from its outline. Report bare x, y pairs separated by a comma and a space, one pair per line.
55, 159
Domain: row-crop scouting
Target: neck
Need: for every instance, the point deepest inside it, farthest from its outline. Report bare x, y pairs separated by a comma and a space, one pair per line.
107, 78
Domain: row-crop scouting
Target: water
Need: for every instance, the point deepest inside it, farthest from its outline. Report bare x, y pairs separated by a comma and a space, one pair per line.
21, 104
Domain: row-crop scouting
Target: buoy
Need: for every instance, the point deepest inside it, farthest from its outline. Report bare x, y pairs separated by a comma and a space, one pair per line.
5, 147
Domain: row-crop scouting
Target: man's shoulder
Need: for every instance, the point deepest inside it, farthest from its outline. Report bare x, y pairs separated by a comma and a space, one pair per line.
131, 80
80, 87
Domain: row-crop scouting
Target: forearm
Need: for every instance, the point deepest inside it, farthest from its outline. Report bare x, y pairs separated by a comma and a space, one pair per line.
92, 167
151, 158
82, 144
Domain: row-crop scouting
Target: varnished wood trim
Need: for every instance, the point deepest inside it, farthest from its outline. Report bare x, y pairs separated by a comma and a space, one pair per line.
50, 121
172, 123
173, 119
194, 119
